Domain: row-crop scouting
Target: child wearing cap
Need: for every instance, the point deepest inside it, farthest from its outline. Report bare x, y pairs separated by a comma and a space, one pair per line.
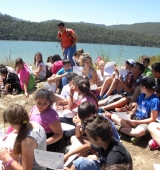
144, 112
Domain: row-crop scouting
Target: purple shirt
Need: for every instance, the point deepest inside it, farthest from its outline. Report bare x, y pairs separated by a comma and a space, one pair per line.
89, 99
46, 118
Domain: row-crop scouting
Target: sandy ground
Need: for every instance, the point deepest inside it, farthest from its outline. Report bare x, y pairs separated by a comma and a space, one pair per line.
143, 158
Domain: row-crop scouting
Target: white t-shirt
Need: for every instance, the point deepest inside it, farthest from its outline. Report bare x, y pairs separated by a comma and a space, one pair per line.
43, 71
102, 78
65, 91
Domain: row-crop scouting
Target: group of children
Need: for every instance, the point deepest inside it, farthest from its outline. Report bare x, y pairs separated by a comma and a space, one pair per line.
95, 127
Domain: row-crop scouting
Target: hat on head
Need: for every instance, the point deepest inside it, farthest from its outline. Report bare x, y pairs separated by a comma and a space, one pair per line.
132, 62
148, 82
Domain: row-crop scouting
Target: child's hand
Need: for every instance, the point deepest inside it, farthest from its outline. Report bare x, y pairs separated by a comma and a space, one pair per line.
26, 94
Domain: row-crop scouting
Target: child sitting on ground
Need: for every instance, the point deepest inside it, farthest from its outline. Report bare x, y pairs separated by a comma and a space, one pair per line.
61, 74
26, 78
145, 111
10, 80
110, 151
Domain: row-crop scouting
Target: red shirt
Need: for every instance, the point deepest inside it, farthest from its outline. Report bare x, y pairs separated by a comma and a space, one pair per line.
66, 39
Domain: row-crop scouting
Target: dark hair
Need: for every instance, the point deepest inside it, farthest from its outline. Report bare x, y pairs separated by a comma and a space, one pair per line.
81, 50
41, 60
77, 52
45, 94
17, 115
119, 167
70, 76
49, 58
99, 126
55, 58
156, 67
3, 69
149, 83
84, 86
146, 58
85, 57
18, 61
61, 24
86, 110
141, 66
65, 61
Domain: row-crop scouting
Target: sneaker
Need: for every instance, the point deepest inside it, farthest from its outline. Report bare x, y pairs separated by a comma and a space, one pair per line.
152, 144
135, 140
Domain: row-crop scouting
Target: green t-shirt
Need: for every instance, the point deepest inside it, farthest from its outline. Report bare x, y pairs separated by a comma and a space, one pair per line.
147, 72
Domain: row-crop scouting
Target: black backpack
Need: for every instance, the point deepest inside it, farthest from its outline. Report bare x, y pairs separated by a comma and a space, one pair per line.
48, 71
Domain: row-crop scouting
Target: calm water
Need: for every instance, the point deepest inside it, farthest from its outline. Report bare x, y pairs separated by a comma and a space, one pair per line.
27, 50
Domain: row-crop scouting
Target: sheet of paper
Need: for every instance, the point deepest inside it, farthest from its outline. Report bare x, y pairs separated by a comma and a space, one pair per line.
122, 71
156, 166
122, 115
50, 87
59, 96
93, 87
66, 127
71, 158
78, 70
109, 67
52, 160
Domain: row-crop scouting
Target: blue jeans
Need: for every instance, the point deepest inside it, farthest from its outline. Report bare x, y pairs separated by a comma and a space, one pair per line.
68, 53
64, 81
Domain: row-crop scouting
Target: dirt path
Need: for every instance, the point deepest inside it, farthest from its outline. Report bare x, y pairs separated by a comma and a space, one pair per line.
143, 158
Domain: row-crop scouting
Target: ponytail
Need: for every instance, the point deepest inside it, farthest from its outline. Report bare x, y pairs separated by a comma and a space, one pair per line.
84, 87
17, 150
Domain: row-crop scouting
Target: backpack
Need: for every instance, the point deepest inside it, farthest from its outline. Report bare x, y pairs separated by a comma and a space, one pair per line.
48, 72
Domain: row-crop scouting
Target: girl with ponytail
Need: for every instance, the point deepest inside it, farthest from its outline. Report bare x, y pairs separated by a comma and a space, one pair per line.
82, 87
30, 136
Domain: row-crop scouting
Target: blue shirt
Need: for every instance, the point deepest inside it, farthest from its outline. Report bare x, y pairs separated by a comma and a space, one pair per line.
146, 105
63, 71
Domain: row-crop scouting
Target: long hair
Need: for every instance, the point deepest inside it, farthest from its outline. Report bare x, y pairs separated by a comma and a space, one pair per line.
17, 115
84, 87
41, 60
18, 61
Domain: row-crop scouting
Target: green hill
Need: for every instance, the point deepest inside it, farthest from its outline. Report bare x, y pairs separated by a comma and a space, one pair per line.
16, 29
148, 28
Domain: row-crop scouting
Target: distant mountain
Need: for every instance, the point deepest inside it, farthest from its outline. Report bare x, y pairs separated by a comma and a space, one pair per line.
148, 28
12, 28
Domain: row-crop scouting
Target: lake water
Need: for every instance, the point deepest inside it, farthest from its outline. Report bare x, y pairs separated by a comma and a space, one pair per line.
27, 50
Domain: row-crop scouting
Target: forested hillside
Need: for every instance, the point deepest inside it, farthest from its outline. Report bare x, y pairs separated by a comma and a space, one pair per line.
148, 28
17, 29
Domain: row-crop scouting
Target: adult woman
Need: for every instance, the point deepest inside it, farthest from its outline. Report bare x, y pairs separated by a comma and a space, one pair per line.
30, 136
24, 74
47, 117
40, 71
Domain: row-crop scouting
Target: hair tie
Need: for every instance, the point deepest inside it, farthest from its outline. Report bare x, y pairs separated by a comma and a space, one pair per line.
154, 87
25, 121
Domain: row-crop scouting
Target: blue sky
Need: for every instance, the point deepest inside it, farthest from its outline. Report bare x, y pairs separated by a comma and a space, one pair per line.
108, 12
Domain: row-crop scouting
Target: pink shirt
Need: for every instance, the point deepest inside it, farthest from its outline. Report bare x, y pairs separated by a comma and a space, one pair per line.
47, 117
56, 66
89, 99
24, 75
